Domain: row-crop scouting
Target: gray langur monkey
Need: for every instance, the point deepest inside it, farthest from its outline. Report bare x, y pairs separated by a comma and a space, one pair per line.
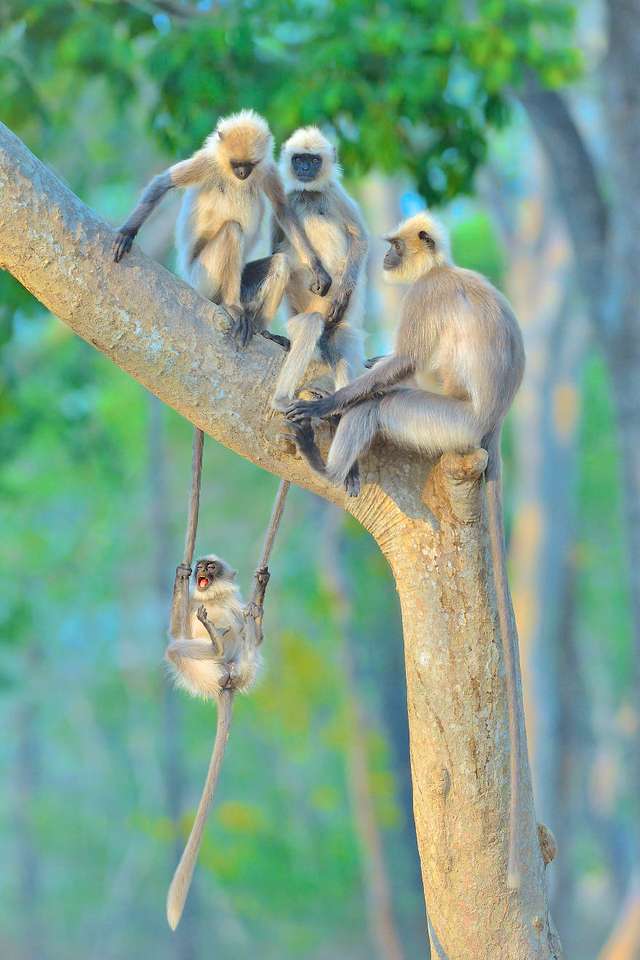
219, 223
328, 329
456, 367
219, 658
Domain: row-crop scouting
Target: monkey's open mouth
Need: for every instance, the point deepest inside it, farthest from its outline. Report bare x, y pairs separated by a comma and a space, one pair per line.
203, 583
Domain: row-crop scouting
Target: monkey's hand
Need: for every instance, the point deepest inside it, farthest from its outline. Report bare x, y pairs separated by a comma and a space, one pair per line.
123, 242
201, 614
253, 611
339, 306
301, 410
371, 362
321, 280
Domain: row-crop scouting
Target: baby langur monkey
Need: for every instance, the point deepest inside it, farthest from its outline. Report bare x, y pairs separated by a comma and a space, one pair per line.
457, 364
219, 223
218, 659
323, 329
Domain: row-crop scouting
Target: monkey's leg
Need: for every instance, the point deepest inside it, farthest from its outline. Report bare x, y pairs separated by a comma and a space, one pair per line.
264, 283
305, 441
190, 650
217, 268
428, 422
355, 432
305, 330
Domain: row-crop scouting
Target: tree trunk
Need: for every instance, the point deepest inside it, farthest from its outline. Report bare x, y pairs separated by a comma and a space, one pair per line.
622, 312
429, 522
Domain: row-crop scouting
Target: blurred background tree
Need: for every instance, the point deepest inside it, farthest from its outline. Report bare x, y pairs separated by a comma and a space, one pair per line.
105, 763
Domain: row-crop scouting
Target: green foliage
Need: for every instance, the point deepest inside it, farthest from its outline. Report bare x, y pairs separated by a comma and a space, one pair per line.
414, 84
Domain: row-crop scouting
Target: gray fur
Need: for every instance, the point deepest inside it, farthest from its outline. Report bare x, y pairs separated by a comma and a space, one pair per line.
457, 365
334, 225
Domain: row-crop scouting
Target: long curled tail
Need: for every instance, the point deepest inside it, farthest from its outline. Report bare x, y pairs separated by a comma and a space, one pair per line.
509, 641
181, 882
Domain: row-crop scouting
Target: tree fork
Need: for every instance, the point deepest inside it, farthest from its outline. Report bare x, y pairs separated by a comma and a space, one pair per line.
428, 521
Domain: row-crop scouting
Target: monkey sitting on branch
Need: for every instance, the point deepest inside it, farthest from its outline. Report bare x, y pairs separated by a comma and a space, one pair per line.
219, 658
456, 367
327, 330
219, 224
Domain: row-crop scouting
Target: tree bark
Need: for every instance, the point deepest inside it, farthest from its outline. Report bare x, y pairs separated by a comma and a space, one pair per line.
428, 521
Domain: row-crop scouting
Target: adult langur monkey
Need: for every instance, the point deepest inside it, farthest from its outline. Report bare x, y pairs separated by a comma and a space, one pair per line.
323, 329
219, 223
456, 367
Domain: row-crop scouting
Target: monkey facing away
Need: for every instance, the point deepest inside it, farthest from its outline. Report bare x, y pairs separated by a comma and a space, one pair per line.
226, 182
456, 367
219, 658
325, 329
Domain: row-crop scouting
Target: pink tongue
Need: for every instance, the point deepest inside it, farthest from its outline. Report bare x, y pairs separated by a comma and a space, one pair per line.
202, 582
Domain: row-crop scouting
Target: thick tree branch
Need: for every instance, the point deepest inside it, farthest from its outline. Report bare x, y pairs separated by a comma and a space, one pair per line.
430, 524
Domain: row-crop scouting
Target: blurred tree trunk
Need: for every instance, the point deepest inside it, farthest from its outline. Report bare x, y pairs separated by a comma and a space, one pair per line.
28, 769
428, 520
184, 939
382, 928
624, 942
604, 226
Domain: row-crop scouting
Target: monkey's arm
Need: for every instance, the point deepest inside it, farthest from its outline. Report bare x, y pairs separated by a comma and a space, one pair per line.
274, 189
254, 610
385, 374
186, 173
217, 636
357, 246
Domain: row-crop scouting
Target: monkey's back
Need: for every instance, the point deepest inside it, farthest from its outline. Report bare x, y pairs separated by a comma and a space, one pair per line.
459, 329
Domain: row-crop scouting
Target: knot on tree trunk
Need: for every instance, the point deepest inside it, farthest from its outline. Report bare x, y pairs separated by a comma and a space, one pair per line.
454, 486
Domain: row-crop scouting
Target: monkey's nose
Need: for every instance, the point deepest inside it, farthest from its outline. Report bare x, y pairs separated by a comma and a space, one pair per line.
242, 171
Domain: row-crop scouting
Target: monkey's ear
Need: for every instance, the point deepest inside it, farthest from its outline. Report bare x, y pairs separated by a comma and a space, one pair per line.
428, 239
220, 135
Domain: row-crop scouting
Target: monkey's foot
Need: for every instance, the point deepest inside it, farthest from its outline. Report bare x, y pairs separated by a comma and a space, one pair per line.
242, 328
301, 433
122, 244
352, 481
283, 342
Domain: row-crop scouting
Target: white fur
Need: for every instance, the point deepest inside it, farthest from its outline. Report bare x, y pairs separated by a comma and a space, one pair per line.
309, 140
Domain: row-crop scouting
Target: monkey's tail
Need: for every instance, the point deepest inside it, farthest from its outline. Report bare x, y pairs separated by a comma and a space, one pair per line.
509, 642
181, 882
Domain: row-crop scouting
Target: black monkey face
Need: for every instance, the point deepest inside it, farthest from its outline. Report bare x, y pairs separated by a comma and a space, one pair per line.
207, 572
242, 168
306, 166
393, 256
